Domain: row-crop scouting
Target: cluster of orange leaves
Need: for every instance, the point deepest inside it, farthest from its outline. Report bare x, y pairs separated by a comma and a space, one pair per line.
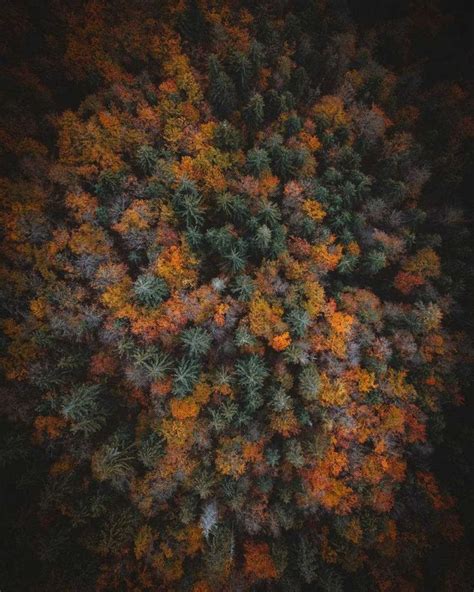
49, 426
177, 266
259, 564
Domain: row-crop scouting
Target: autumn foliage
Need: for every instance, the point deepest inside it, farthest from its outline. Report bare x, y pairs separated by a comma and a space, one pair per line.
234, 280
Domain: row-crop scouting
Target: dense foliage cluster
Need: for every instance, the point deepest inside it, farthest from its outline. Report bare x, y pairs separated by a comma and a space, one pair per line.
234, 278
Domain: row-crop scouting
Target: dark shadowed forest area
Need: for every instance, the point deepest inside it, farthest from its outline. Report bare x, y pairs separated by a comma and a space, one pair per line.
236, 296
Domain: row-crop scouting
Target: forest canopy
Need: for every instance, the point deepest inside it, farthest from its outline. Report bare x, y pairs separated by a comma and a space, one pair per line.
236, 296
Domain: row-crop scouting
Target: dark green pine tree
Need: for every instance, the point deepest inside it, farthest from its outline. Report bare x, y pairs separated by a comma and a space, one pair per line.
150, 290
197, 341
185, 376
187, 205
257, 162
222, 91
83, 407
226, 137
146, 158
192, 24
241, 69
254, 112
